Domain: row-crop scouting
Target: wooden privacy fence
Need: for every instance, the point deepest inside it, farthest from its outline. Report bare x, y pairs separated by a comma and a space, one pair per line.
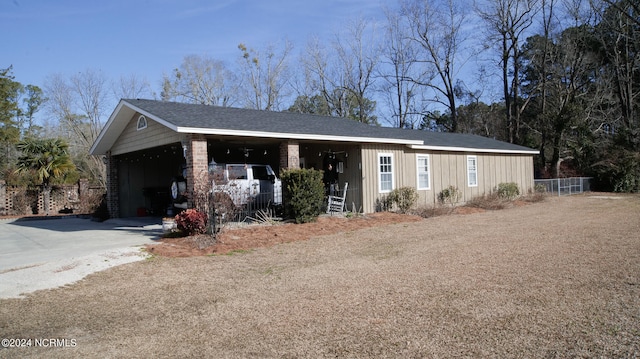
77, 198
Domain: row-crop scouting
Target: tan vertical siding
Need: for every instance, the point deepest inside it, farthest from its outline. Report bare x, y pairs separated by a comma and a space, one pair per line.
370, 188
446, 169
153, 136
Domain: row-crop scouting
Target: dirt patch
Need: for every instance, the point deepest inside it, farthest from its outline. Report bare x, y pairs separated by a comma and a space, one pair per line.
467, 210
260, 235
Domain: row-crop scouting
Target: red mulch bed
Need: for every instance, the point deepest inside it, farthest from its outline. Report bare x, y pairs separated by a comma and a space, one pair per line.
255, 236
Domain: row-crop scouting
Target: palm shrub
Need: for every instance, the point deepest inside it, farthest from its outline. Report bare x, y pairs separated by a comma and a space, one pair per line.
48, 159
303, 194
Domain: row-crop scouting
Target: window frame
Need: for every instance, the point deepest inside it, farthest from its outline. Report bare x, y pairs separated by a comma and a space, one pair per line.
380, 173
472, 170
142, 123
419, 172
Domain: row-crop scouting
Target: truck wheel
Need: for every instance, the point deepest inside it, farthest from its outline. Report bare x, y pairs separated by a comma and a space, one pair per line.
178, 187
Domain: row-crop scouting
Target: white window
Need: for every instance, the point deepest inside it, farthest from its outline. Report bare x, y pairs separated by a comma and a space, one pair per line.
472, 171
423, 172
385, 171
142, 123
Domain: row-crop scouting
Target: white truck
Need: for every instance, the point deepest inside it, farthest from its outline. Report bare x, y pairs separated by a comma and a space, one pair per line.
252, 185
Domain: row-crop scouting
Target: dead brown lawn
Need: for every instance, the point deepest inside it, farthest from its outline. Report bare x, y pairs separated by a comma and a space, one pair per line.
559, 278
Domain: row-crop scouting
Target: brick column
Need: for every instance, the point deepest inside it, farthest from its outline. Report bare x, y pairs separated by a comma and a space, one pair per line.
197, 167
3, 198
113, 198
289, 155
83, 188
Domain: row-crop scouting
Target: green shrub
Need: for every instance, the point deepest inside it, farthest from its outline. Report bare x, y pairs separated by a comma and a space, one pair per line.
449, 195
303, 194
508, 190
403, 198
192, 222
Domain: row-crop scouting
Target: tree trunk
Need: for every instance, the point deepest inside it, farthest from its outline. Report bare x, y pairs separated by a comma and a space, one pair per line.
555, 157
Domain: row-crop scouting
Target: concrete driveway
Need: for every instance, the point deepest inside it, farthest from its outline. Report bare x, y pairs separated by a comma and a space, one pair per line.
47, 253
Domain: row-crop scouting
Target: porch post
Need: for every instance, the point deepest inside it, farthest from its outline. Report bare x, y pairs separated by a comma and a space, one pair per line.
195, 148
289, 155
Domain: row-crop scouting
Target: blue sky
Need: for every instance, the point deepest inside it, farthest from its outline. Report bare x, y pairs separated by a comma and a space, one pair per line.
151, 37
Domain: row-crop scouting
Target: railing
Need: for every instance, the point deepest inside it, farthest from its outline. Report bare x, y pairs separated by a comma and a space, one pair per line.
234, 210
565, 186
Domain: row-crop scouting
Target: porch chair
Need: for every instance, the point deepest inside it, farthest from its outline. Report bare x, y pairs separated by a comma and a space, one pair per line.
336, 204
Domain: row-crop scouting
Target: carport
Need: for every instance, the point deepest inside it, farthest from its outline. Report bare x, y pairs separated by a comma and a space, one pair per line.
147, 144
145, 176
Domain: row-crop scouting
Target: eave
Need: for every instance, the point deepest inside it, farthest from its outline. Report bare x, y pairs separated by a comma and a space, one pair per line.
474, 150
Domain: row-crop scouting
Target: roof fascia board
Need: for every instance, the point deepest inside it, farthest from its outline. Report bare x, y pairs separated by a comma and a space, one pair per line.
105, 129
465, 149
295, 136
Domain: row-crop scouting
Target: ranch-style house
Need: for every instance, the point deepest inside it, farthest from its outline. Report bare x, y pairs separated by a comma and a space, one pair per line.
147, 143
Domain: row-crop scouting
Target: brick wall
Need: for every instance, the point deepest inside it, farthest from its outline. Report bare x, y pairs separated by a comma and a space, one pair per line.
15, 200
3, 198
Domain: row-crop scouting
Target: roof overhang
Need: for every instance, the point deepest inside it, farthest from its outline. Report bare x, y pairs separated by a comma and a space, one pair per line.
295, 136
125, 111
117, 123
468, 149
112, 129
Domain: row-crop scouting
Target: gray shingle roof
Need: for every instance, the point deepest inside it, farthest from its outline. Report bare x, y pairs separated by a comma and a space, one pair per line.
457, 140
235, 119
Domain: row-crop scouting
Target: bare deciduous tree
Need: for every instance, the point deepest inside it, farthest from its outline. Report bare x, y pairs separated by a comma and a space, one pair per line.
320, 75
358, 58
343, 74
79, 104
507, 22
398, 69
132, 86
201, 80
265, 76
437, 29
